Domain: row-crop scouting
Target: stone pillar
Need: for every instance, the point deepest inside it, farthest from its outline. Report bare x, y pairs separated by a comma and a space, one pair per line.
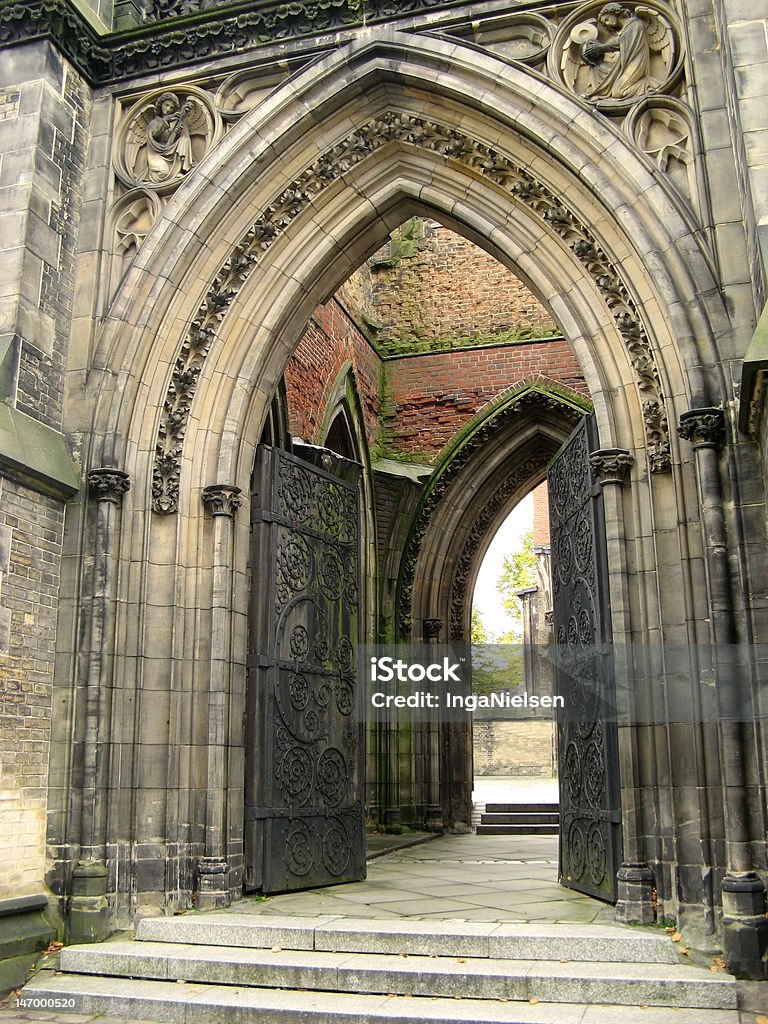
745, 925
434, 811
635, 882
213, 889
88, 917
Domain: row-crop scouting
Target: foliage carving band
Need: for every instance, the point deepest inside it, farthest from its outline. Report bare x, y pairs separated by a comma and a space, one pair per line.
274, 221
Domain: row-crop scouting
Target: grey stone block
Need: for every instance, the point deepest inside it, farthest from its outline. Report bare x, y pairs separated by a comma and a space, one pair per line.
604, 943
231, 930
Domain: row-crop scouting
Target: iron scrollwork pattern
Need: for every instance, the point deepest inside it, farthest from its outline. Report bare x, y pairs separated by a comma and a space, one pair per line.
304, 799
587, 749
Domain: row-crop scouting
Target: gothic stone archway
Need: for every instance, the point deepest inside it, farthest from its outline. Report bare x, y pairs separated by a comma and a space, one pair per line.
187, 360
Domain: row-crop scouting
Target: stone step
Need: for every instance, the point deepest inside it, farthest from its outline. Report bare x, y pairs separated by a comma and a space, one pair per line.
168, 1001
516, 830
626, 984
534, 808
587, 942
520, 818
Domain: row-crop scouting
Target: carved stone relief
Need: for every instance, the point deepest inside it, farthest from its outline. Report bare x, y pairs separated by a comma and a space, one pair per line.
481, 159
612, 54
524, 37
163, 136
663, 128
131, 218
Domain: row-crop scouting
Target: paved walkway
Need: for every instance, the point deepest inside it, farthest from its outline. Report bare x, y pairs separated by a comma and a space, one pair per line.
468, 878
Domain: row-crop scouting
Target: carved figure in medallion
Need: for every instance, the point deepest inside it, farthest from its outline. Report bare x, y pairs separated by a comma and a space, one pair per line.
623, 54
161, 142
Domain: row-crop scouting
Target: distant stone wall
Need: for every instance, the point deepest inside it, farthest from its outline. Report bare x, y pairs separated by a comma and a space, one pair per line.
514, 748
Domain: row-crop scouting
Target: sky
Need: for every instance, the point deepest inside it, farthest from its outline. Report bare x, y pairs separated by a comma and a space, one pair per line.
486, 597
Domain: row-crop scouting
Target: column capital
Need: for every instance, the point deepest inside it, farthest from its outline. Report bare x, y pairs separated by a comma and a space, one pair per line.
432, 629
611, 465
107, 484
704, 428
222, 499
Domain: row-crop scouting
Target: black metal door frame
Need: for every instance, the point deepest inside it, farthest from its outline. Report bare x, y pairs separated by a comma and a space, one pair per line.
587, 733
304, 778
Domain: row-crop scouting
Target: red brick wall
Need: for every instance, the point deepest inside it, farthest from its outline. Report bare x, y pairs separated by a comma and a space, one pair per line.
541, 516
330, 340
431, 396
446, 287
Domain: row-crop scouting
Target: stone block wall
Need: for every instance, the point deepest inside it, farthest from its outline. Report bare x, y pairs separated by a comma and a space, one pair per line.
30, 549
44, 112
513, 748
45, 107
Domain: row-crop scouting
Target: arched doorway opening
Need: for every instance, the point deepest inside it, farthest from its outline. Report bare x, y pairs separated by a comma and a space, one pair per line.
515, 762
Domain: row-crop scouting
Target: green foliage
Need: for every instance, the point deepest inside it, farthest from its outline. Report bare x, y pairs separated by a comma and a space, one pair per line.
518, 571
496, 667
384, 450
479, 634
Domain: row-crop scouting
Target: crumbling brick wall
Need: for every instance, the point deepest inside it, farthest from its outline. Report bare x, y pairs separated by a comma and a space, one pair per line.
431, 285
332, 339
432, 396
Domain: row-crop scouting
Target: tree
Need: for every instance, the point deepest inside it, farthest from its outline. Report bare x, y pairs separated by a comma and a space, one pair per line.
518, 571
479, 634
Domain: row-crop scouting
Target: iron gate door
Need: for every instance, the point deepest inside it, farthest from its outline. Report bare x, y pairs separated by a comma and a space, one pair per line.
304, 785
590, 817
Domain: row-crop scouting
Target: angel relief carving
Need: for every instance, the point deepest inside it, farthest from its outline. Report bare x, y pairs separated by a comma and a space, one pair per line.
164, 136
619, 55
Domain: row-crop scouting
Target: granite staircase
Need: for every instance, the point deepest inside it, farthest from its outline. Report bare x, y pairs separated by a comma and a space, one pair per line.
234, 967
531, 819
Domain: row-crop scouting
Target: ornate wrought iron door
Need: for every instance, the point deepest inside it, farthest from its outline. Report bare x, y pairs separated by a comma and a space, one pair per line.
590, 818
304, 787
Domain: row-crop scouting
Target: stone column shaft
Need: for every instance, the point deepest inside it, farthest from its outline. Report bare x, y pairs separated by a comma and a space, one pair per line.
745, 925
107, 487
213, 871
88, 911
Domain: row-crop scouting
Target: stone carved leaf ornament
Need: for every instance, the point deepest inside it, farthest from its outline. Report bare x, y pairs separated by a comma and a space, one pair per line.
613, 54
163, 136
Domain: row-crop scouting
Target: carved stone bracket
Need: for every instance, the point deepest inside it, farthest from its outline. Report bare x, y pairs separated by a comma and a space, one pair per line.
512, 178
222, 499
108, 485
704, 428
611, 465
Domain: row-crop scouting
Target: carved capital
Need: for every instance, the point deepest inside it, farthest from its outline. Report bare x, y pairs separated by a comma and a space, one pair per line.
611, 465
432, 629
108, 484
704, 428
222, 499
